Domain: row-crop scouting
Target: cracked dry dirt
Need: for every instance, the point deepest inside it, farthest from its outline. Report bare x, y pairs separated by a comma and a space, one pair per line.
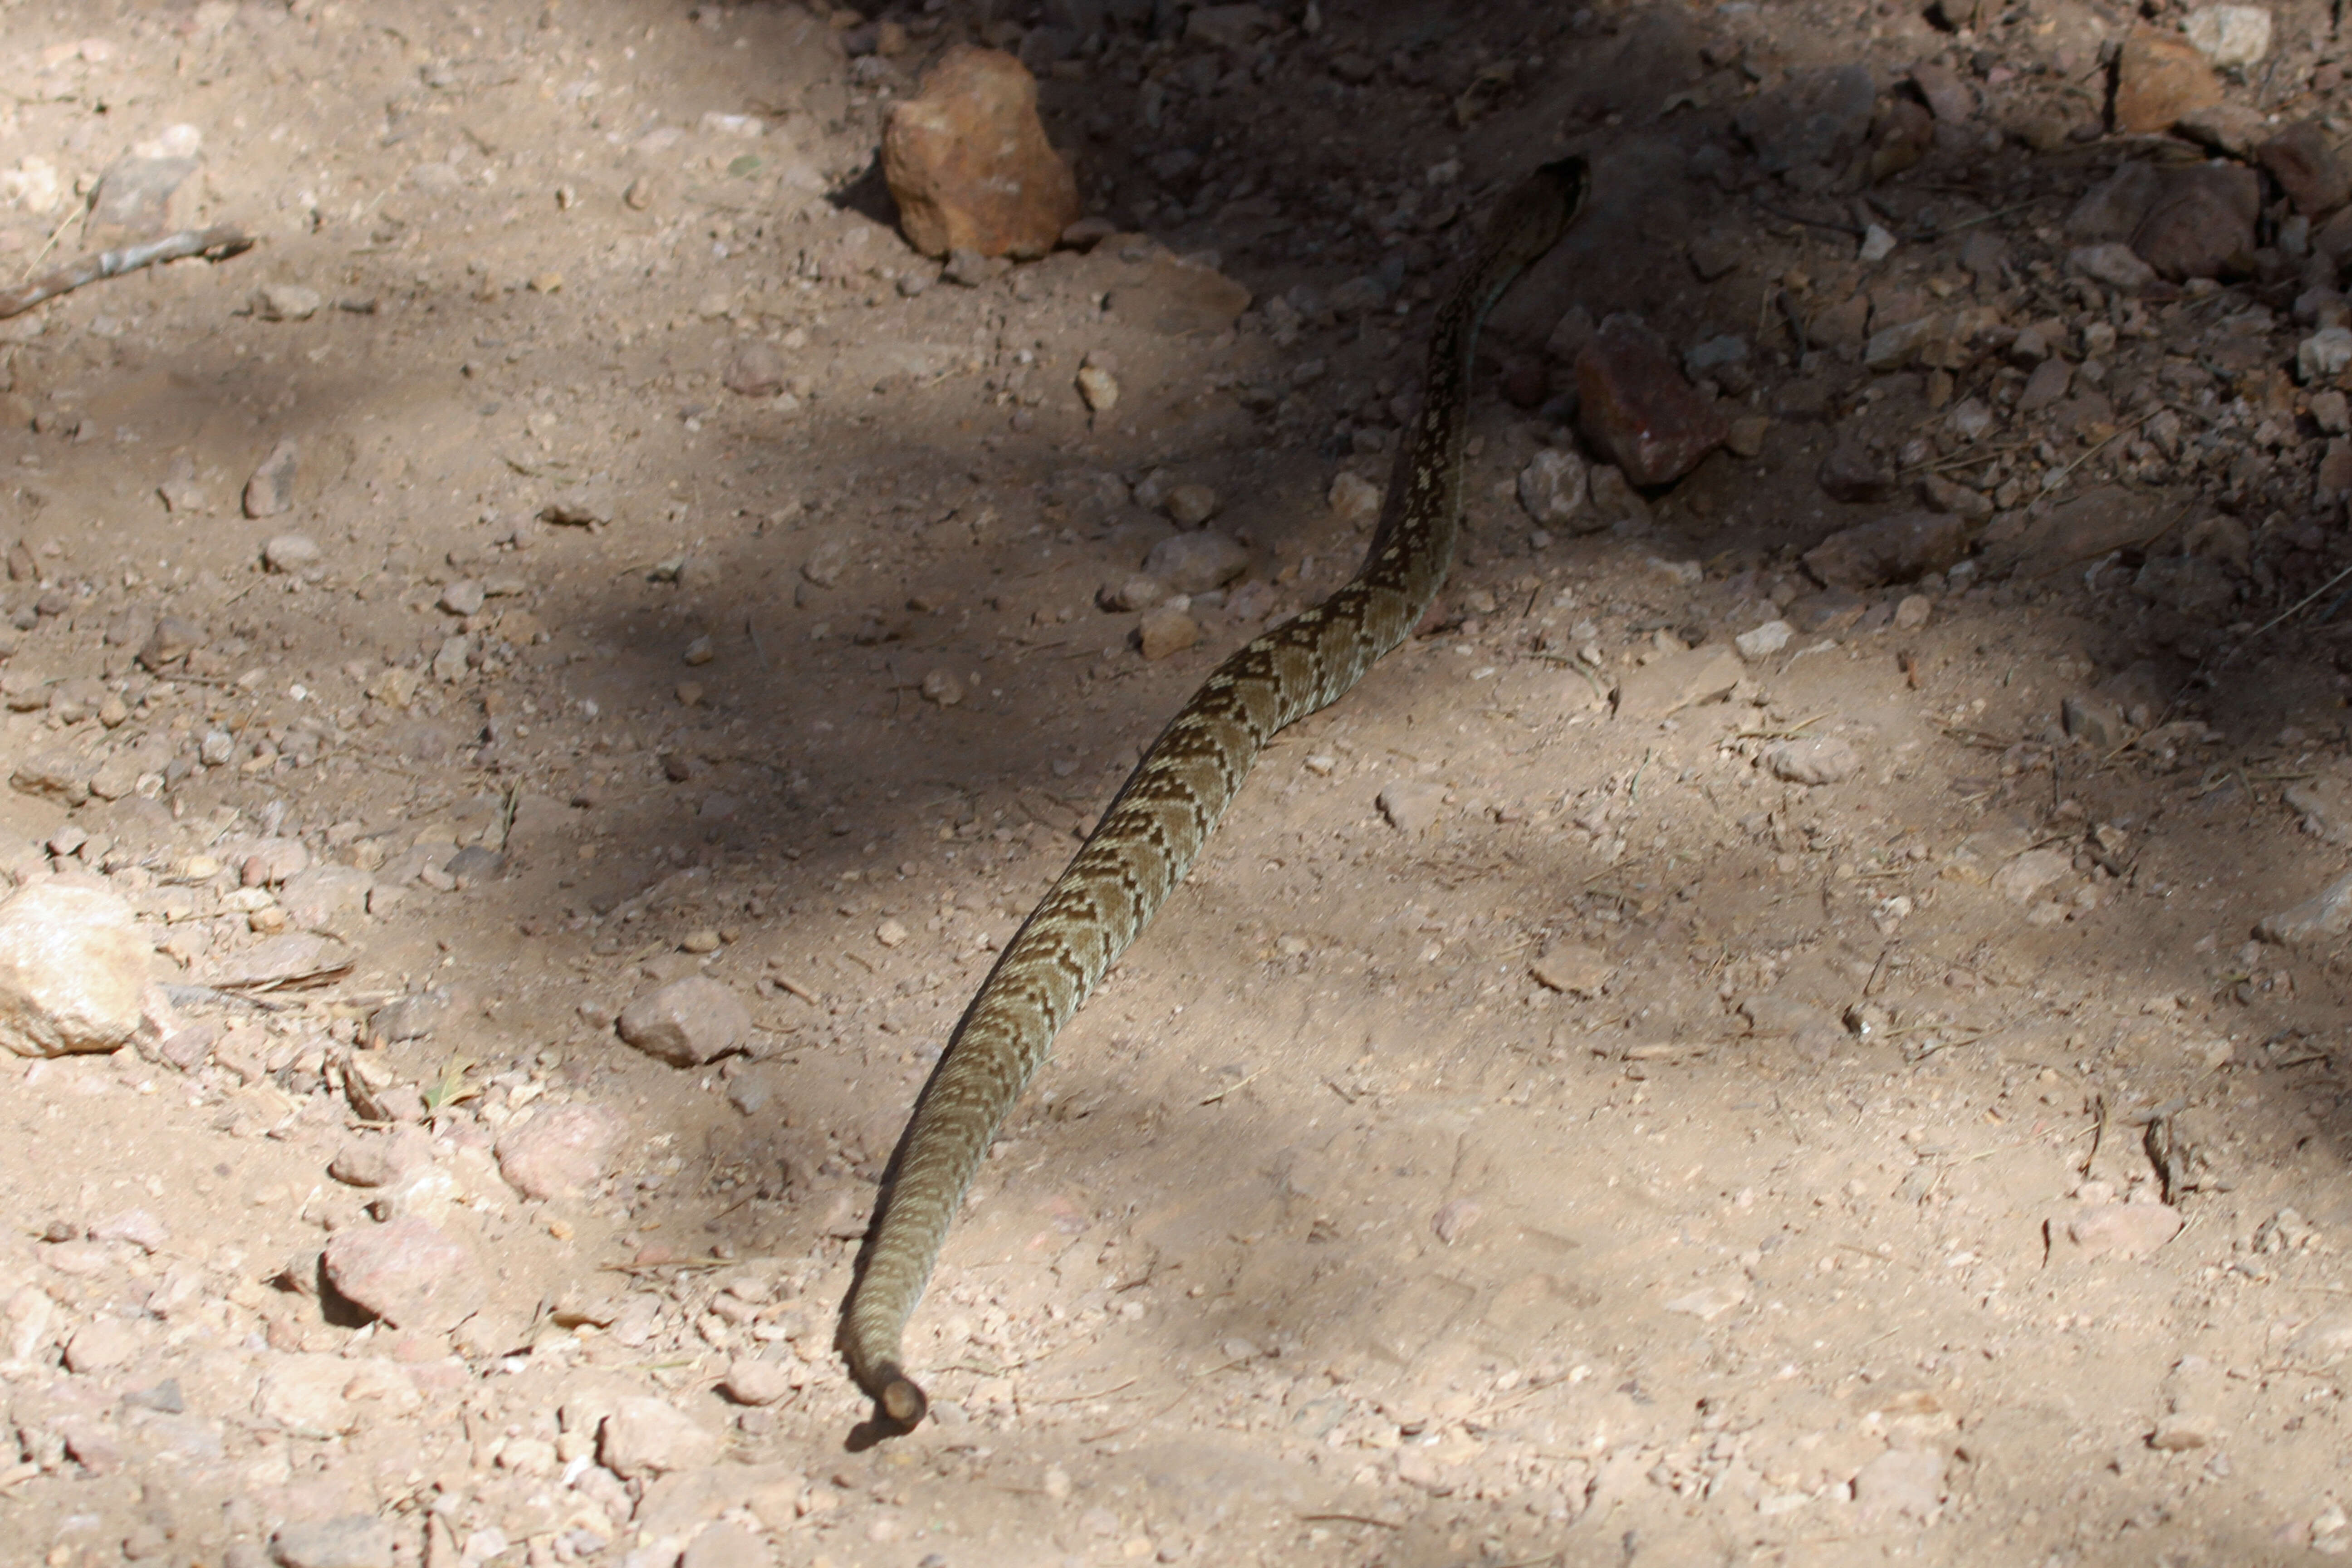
1646, 1158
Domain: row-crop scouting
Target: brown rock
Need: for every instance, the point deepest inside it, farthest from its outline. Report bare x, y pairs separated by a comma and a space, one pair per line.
2334, 476
2202, 222
2045, 386
1950, 99
1177, 299
2087, 526
1636, 407
559, 1154
1946, 495
408, 1272
1892, 550
1852, 473
2303, 160
969, 163
2160, 76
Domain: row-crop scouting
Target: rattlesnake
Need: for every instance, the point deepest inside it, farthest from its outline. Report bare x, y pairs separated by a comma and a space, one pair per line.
1164, 813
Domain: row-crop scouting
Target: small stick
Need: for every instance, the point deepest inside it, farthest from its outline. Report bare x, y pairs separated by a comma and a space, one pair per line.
216, 244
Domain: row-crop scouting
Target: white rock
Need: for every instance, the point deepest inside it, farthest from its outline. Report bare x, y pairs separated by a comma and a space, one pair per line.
1553, 487
1901, 1481
74, 974
2327, 912
1826, 761
1355, 501
1877, 244
1765, 640
1099, 387
2031, 872
2113, 263
289, 552
2324, 356
2230, 35
286, 302
650, 1436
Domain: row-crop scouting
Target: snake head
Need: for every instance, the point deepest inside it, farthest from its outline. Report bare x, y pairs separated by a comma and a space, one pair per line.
1532, 218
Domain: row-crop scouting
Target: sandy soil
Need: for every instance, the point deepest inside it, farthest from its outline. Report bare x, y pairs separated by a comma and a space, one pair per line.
1648, 1159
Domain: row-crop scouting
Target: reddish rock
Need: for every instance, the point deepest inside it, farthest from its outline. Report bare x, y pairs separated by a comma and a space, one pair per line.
2303, 160
969, 162
2160, 76
409, 1273
1892, 550
1637, 409
2202, 221
686, 1022
559, 1154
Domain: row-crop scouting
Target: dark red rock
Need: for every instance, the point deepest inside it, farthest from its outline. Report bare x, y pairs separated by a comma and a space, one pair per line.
1892, 550
1636, 408
2201, 223
2303, 160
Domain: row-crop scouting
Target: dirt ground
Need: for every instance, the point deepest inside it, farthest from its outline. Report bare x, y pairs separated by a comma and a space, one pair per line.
1638, 1154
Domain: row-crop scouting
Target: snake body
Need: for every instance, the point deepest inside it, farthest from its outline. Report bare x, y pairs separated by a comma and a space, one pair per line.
1162, 816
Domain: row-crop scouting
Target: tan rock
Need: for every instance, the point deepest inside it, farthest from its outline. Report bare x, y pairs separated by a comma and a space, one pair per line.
969, 163
1165, 631
1573, 968
1177, 299
2121, 1230
1665, 685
